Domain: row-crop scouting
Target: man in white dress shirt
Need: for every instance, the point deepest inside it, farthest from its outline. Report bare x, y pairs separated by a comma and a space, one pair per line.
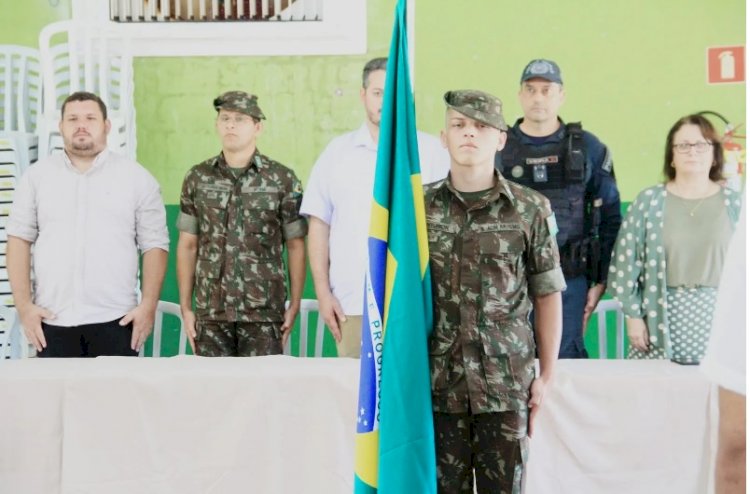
338, 201
88, 212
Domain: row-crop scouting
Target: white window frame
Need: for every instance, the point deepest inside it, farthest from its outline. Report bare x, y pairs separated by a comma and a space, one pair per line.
343, 31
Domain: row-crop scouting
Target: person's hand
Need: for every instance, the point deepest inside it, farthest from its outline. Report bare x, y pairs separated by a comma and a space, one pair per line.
538, 387
290, 315
637, 333
188, 324
31, 321
592, 299
332, 313
142, 318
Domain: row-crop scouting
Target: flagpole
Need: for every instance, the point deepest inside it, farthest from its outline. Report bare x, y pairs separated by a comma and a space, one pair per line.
394, 443
410, 8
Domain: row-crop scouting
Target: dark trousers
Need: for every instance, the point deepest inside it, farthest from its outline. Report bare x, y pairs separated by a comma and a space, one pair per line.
489, 447
573, 302
88, 340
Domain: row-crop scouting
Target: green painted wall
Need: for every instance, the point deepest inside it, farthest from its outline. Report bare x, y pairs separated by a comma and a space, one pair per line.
21, 22
307, 101
631, 69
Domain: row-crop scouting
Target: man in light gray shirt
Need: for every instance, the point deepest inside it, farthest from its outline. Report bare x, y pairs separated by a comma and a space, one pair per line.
87, 212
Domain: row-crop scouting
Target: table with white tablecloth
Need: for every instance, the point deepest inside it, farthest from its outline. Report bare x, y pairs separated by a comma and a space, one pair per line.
286, 425
623, 427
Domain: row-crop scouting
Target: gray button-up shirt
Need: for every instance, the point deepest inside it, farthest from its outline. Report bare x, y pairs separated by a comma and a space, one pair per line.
87, 230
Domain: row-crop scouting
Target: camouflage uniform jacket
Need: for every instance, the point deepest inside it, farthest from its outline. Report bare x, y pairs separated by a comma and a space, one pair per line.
241, 223
486, 260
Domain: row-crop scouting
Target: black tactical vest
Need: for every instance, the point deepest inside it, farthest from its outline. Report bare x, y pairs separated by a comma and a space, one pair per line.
557, 170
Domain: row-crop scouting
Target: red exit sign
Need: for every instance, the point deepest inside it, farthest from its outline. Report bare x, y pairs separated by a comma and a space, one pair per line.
725, 64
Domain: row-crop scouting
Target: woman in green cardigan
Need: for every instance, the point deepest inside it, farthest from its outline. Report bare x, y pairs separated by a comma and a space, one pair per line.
668, 256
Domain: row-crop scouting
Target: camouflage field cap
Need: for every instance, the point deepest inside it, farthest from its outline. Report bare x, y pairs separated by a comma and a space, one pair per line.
239, 101
481, 106
542, 69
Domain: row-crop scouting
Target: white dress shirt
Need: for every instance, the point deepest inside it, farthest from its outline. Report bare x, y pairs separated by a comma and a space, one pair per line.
724, 362
87, 229
339, 192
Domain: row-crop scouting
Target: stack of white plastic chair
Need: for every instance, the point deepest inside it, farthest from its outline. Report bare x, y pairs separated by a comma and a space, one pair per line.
13, 343
20, 106
77, 56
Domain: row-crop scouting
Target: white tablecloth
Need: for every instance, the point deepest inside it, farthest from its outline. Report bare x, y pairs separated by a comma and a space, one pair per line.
623, 426
285, 425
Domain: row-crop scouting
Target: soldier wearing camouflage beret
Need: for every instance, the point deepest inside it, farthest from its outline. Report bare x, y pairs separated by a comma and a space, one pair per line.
492, 257
237, 211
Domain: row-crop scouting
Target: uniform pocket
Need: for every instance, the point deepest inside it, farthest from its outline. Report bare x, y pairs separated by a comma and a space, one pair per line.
260, 207
508, 361
442, 373
501, 284
441, 238
212, 208
264, 286
208, 283
440, 256
261, 222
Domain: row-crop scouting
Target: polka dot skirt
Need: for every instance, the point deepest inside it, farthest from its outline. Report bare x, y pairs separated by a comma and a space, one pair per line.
690, 312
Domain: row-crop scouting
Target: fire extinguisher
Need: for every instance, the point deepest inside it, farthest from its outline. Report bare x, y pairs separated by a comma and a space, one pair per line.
734, 152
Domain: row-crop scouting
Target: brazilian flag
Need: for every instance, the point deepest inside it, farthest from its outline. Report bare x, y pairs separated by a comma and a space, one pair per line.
395, 449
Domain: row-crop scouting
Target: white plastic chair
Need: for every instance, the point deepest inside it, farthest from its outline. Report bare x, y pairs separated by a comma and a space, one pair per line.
602, 309
13, 342
77, 56
20, 105
11, 169
11, 157
307, 307
165, 308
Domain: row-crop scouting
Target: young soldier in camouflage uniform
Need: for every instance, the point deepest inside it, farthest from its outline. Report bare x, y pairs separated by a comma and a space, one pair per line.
236, 211
492, 255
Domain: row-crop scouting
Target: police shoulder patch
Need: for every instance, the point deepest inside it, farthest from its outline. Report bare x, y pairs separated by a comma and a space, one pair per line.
607, 163
552, 224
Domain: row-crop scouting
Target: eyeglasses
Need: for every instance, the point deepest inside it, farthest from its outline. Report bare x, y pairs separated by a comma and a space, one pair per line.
700, 147
237, 119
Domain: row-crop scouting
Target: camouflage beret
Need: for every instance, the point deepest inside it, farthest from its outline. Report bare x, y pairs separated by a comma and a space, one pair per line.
481, 106
239, 101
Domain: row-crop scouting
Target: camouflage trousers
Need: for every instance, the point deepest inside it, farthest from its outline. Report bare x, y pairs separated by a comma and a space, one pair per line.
237, 339
489, 447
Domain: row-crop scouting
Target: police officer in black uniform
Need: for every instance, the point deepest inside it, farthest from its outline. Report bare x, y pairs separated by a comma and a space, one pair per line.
574, 170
